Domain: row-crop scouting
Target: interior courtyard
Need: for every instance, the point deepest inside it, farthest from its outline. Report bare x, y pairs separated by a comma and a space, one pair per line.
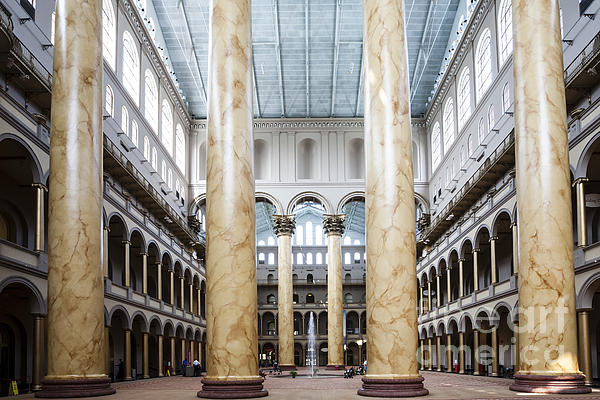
251, 198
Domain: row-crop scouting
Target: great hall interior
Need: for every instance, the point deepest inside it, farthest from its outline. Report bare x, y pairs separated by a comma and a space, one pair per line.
409, 185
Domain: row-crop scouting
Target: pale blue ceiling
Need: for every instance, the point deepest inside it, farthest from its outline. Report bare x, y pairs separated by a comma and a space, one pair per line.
307, 53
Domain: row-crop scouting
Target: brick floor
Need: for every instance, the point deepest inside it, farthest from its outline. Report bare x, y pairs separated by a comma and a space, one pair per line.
441, 386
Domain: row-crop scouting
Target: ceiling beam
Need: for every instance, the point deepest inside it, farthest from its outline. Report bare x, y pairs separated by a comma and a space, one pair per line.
423, 36
306, 55
189, 32
360, 83
278, 54
336, 51
256, 101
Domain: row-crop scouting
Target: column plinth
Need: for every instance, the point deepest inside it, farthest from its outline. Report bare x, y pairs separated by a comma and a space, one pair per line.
333, 226
75, 286
391, 292
231, 298
548, 336
284, 229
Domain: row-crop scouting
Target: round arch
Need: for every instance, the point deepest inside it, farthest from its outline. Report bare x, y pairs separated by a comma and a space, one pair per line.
142, 316
352, 196
308, 195
264, 196
41, 306
36, 172
120, 308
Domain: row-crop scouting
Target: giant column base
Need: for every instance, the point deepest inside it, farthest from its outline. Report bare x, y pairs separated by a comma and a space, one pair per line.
559, 384
335, 367
78, 387
411, 387
232, 389
290, 367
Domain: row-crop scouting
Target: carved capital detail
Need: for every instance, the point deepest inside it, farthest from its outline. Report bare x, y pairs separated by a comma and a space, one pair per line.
333, 224
284, 224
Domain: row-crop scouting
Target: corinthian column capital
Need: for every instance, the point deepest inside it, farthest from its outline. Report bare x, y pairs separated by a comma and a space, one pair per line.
333, 224
284, 225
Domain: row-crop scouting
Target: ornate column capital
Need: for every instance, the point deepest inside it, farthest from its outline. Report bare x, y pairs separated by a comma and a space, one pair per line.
284, 225
577, 181
37, 185
493, 238
476, 250
333, 224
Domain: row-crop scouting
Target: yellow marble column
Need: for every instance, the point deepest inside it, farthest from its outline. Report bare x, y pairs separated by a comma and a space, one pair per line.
475, 270
516, 346
548, 338
430, 352
182, 292
231, 298
390, 212
449, 353
448, 285
494, 335
161, 362
421, 299
422, 351
493, 266
39, 217
199, 294
145, 372
284, 229
127, 375
585, 351
191, 310
582, 240
107, 349
173, 354
75, 287
105, 233
438, 291
38, 352
515, 247
159, 280
333, 226
144, 273
476, 352
126, 244
461, 282
183, 351
438, 349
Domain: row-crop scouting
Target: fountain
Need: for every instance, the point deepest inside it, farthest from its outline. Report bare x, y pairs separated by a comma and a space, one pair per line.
311, 351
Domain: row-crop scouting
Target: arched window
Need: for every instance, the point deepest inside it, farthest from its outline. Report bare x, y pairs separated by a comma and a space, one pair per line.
299, 258
449, 129
319, 235
109, 101
261, 258
270, 241
131, 67
151, 100
180, 148
309, 233
505, 97
483, 63
109, 33
125, 120
505, 30
154, 159
271, 259
436, 151
464, 98
491, 118
347, 240
167, 126
310, 298
146, 148
481, 130
348, 298
163, 171
261, 243
357, 258
300, 235
170, 179
347, 258
309, 279
356, 242
270, 278
134, 133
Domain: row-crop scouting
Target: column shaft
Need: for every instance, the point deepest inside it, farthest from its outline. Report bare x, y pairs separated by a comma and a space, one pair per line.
546, 274
494, 335
159, 281
173, 354
126, 244
421, 299
182, 292
493, 259
438, 345
475, 271
430, 355
429, 306
284, 228
107, 350
438, 291
127, 374
475, 352
448, 285
145, 371
161, 362
75, 287
585, 352
581, 212
105, 232
38, 352
448, 353
461, 353
231, 298
172, 285
461, 283
199, 293
390, 212
144, 273
39, 217
515, 248
191, 298
333, 226
422, 350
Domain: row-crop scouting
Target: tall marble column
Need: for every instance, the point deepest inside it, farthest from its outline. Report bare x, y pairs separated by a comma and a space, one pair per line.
75, 287
39, 217
461, 283
475, 351
172, 286
494, 335
448, 285
461, 353
191, 309
144, 272
429, 304
173, 339
585, 351
515, 247
449, 353
161, 362
548, 339
38, 351
107, 349
333, 226
231, 298
421, 299
390, 209
284, 229
105, 233
159, 281
582, 240
199, 294
438, 349
438, 291
430, 352
182, 292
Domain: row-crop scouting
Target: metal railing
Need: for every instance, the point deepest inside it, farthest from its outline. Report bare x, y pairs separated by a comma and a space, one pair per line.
591, 50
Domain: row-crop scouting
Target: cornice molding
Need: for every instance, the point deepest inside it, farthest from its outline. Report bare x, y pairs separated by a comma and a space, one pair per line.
303, 123
148, 45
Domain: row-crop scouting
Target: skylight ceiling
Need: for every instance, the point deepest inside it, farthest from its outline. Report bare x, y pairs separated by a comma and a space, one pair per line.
307, 54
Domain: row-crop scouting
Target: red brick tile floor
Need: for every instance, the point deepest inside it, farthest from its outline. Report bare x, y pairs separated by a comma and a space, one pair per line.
442, 386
